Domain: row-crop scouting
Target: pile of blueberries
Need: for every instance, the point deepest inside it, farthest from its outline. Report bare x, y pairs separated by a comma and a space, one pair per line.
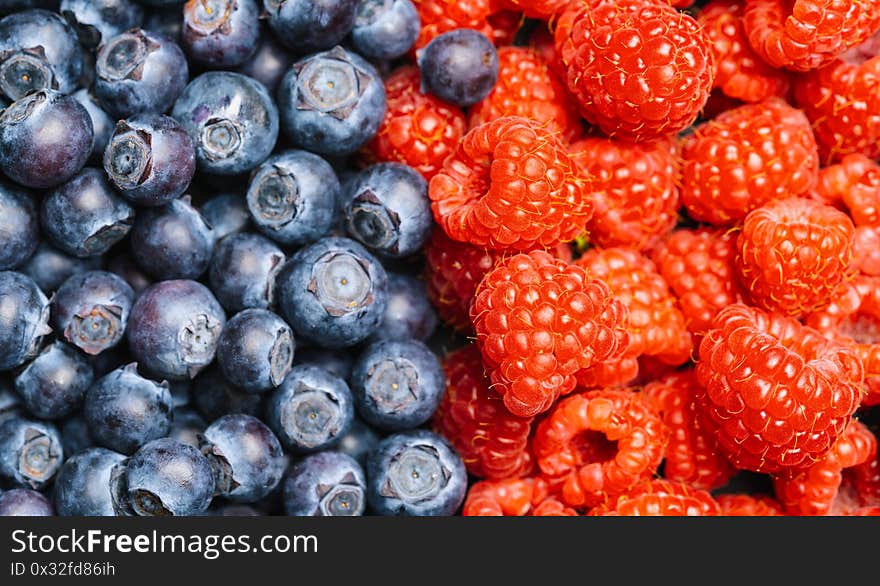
205, 306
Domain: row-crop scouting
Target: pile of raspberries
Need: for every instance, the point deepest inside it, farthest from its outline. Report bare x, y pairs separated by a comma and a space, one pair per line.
660, 235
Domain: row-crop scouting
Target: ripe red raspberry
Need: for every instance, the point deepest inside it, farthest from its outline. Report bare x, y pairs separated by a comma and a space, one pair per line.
748, 505
419, 129
776, 394
616, 372
504, 25
855, 182
492, 442
793, 253
864, 479
866, 250
539, 320
700, 267
509, 497
634, 189
741, 73
527, 88
745, 158
552, 507
661, 498
640, 69
541, 9
806, 34
441, 16
599, 444
690, 456
510, 185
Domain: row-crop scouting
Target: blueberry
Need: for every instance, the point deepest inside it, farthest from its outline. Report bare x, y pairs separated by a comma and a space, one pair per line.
269, 62
187, 425
256, 350
150, 159
125, 267
336, 362
85, 217
9, 403
75, 436
311, 25
227, 214
19, 225
82, 488
327, 484
215, 397
102, 123
124, 410
221, 33
292, 197
242, 271
45, 139
139, 72
91, 309
246, 456
331, 103
459, 67
50, 267
30, 452
235, 510
24, 319
333, 292
164, 20
165, 477
397, 385
99, 20
360, 440
52, 385
232, 120
174, 328
385, 29
38, 50
180, 392
415, 473
311, 409
23, 502
387, 210
172, 241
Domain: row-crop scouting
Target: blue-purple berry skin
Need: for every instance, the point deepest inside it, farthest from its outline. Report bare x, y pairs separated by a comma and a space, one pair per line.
102, 124
96, 21
24, 319
50, 267
360, 440
30, 452
227, 214
385, 29
124, 266
75, 435
269, 62
459, 67
326, 484
19, 225
186, 425
82, 488
409, 313
213, 396
24, 502
243, 270
53, 384
336, 362
307, 26
221, 33
256, 350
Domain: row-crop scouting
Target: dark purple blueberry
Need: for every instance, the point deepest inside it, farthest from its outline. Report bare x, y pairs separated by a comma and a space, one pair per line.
150, 159
23, 502
125, 266
38, 50
90, 310
53, 384
360, 440
409, 313
30, 452
387, 210
231, 119
311, 409
19, 225
243, 269
172, 241
50, 267
174, 328
307, 26
163, 478
269, 63
331, 103
10, 406
333, 292
124, 410
215, 397
24, 319
9, 6
85, 216
246, 456
45, 139
256, 350
328, 484
139, 72
235, 510
164, 20
292, 197
336, 362
227, 214
179, 390
75, 436
82, 488
415, 473
459, 67
385, 29
187, 425
102, 124
98, 20
221, 33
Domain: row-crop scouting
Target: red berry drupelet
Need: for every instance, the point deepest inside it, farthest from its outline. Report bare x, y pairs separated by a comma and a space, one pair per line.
661, 498
748, 505
441, 16
852, 185
509, 497
538, 321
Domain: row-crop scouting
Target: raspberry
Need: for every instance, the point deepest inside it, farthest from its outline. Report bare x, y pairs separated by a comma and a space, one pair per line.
504, 25
807, 34
492, 442
599, 444
538, 321
510, 497
661, 498
441, 16
793, 253
741, 73
748, 505
776, 394
852, 183
419, 129
864, 478
640, 69
616, 372
634, 189
745, 158
528, 89
699, 266
510, 186
690, 455
866, 250
552, 507
541, 9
